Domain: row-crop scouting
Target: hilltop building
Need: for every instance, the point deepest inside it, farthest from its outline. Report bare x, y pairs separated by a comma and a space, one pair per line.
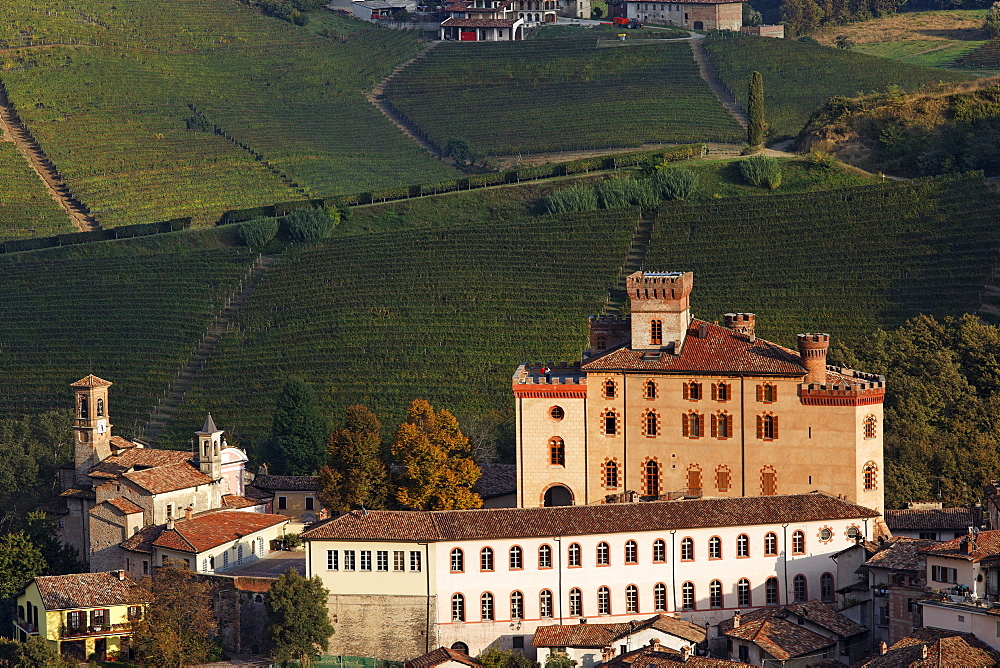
663, 405
690, 14
492, 20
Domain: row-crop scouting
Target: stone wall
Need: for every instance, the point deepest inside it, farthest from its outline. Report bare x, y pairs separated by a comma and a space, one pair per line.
395, 628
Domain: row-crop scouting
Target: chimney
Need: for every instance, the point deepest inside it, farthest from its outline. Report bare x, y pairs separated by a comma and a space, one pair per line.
120, 574
812, 348
187, 513
883, 647
923, 652
170, 524
685, 651
607, 654
742, 323
968, 545
736, 619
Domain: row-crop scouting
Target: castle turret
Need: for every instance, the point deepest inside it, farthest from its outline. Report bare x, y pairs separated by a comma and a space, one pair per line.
91, 426
813, 348
209, 457
742, 323
661, 309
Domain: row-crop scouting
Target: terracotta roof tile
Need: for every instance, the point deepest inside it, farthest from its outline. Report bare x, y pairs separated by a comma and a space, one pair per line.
252, 492
580, 520
986, 544
168, 478
143, 540
235, 501
125, 505
497, 480
478, 23
604, 635
138, 458
286, 483
645, 657
74, 493
780, 638
438, 656
88, 590
945, 649
814, 611
900, 554
214, 529
91, 380
938, 518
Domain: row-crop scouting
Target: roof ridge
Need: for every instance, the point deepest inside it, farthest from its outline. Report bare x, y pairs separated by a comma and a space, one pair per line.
184, 538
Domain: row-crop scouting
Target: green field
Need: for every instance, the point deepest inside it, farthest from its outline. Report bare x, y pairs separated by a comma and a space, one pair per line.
26, 207
109, 103
560, 94
843, 261
928, 53
798, 77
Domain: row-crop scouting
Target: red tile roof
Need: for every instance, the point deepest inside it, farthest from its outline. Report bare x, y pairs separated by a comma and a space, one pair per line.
88, 590
214, 529
945, 649
91, 381
780, 638
603, 635
696, 2
813, 611
936, 518
286, 483
986, 544
438, 656
478, 23
143, 541
580, 520
138, 458
125, 505
900, 554
663, 657
168, 478
235, 501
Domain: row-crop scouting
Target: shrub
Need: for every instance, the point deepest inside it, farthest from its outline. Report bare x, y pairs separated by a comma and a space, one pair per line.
310, 224
762, 171
199, 123
808, 40
620, 192
992, 22
580, 197
258, 232
821, 160
676, 183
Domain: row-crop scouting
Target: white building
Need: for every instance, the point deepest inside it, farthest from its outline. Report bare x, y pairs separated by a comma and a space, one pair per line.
475, 578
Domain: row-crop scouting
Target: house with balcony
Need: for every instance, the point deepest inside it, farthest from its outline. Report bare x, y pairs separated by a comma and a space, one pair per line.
488, 21
80, 615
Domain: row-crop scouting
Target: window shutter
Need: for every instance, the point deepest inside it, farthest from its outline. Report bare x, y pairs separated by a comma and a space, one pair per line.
774, 425
760, 393
687, 391
729, 426
715, 392
715, 429
701, 425
774, 392
760, 425
684, 424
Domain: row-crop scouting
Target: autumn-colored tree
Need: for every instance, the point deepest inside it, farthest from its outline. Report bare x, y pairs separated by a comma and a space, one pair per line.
355, 474
438, 472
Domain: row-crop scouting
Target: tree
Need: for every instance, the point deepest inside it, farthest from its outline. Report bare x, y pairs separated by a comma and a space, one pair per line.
992, 22
311, 223
300, 627
35, 652
459, 150
60, 558
179, 625
20, 560
559, 660
494, 657
438, 470
355, 474
755, 111
298, 429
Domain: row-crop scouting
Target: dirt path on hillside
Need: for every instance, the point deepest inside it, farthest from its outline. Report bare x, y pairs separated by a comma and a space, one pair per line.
707, 71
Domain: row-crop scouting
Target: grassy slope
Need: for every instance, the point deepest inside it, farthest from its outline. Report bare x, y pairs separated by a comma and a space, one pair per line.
798, 77
110, 110
843, 261
560, 94
928, 53
26, 207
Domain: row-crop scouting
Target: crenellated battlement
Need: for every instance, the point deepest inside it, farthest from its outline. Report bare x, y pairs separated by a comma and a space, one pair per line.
845, 393
550, 379
608, 320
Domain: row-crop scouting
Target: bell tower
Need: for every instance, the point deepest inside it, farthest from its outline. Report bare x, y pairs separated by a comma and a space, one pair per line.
209, 457
661, 309
91, 425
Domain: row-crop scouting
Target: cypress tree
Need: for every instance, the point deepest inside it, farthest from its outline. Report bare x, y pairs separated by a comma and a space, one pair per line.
755, 115
298, 430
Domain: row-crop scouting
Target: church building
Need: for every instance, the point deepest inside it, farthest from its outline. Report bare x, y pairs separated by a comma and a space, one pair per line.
663, 405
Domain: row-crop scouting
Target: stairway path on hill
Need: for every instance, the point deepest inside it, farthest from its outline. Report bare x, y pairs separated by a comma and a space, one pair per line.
711, 76
375, 96
633, 263
173, 396
15, 130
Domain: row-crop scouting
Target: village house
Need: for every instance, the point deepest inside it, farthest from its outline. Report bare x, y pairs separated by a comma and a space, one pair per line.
663, 405
402, 583
896, 579
491, 20
80, 615
655, 655
931, 521
690, 14
935, 647
294, 496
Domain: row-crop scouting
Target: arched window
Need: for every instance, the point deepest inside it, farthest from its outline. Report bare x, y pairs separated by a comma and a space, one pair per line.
603, 601
516, 558
239, 554
545, 604
631, 552
722, 426
687, 549
692, 390
557, 452
687, 596
715, 594
692, 425
770, 544
609, 389
545, 557
610, 419
486, 559
743, 545
723, 478
458, 608
631, 599
767, 393
768, 481
800, 588
649, 390
486, 607
771, 591
659, 597
743, 593
798, 542
457, 561
720, 391
651, 425
656, 332
603, 554
826, 587
516, 605
100, 407
871, 426
870, 476
767, 427
460, 647
260, 545
575, 603
715, 548
694, 479
84, 408
651, 478
574, 555
610, 474
659, 551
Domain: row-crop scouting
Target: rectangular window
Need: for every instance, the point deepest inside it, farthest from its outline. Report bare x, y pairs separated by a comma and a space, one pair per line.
398, 561
366, 560
415, 564
348, 560
282, 503
332, 560
98, 617
134, 612
928, 535
309, 503
74, 620
382, 560
145, 567
170, 510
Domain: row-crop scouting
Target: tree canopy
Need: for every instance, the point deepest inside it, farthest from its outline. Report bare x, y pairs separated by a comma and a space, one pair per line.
300, 626
755, 111
298, 430
20, 560
355, 474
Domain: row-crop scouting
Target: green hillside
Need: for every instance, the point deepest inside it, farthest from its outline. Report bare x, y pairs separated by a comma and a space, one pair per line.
843, 261
560, 94
799, 77
26, 207
111, 95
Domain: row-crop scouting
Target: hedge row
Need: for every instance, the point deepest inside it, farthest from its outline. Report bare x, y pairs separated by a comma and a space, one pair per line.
123, 232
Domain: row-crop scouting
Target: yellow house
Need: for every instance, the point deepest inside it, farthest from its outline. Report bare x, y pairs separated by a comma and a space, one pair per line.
81, 614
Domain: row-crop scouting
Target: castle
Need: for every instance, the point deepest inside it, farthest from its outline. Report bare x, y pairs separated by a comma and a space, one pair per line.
663, 405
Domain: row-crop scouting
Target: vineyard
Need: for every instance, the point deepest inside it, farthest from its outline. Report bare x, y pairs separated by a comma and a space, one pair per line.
128, 311
986, 56
559, 94
799, 77
26, 207
110, 92
442, 314
850, 260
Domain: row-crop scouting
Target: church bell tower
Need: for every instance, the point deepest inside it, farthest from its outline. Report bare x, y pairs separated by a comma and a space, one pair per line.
91, 425
210, 449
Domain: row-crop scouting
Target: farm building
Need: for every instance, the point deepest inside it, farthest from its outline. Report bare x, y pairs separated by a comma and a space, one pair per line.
489, 20
373, 10
691, 14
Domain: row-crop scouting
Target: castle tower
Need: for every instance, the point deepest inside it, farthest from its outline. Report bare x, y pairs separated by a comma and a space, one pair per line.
91, 426
813, 348
744, 323
661, 309
209, 456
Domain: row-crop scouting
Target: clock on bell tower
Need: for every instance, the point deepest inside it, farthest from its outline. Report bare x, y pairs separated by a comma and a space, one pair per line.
91, 426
